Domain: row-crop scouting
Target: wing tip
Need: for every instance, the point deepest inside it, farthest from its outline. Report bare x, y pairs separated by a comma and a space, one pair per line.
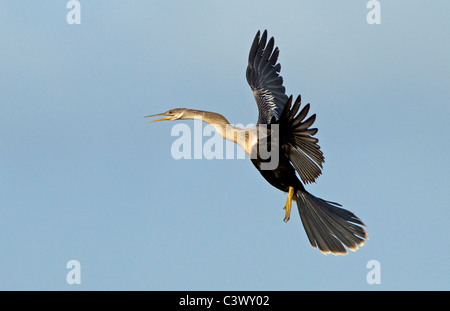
263, 76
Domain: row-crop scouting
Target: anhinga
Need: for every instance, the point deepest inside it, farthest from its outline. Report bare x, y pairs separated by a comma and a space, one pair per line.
328, 226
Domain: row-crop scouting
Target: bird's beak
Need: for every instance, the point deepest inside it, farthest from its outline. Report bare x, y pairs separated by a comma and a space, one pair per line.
168, 117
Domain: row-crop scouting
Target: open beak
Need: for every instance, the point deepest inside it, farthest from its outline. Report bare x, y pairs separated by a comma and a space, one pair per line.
168, 117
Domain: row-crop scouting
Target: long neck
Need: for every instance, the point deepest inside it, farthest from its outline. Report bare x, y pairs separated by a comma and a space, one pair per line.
218, 121
212, 118
245, 138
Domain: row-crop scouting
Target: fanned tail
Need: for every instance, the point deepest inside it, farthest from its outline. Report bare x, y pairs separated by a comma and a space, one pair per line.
328, 226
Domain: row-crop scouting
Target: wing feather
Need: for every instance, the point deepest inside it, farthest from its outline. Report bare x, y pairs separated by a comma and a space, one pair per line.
299, 145
264, 79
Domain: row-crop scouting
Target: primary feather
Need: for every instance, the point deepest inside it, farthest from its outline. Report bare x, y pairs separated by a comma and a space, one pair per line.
264, 79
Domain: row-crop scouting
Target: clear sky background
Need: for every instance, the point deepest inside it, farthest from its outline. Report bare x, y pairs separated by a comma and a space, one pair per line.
83, 177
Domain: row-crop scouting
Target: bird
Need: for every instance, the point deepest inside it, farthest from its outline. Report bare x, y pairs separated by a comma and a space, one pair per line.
284, 131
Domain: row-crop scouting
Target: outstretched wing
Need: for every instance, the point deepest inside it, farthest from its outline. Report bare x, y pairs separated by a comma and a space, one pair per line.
264, 79
298, 142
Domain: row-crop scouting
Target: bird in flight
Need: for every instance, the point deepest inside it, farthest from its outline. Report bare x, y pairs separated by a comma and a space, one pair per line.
287, 133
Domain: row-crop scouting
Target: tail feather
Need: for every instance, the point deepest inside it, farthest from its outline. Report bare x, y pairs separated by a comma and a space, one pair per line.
328, 226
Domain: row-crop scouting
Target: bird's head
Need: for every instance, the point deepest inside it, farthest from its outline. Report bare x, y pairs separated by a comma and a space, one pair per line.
171, 115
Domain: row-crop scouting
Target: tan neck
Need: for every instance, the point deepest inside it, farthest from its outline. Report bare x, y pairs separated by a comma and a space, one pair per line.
245, 138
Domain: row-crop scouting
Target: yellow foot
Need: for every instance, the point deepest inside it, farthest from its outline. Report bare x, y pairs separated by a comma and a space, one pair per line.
288, 205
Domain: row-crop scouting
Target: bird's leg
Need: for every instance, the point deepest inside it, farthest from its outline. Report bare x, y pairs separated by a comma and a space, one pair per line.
287, 207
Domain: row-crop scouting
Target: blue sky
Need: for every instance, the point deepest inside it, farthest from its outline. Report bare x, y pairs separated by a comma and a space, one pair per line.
83, 177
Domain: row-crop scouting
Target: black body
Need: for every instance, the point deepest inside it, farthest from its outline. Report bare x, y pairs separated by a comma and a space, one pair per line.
328, 226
